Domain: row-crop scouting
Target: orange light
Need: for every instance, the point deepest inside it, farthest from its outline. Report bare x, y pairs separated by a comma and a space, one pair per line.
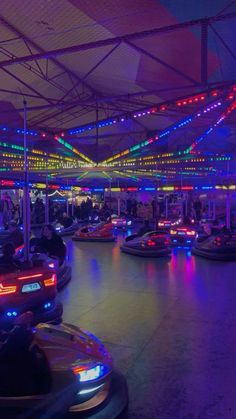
78, 369
10, 289
49, 282
30, 276
190, 233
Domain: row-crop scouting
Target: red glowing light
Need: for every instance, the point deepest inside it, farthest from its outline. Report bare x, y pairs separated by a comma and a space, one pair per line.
62, 134
179, 104
202, 97
151, 243
7, 182
153, 110
214, 94
163, 108
30, 276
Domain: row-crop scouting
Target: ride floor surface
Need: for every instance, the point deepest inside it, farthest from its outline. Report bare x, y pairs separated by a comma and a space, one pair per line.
170, 324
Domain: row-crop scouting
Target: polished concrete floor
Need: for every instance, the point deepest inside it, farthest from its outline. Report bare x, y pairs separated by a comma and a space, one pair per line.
170, 325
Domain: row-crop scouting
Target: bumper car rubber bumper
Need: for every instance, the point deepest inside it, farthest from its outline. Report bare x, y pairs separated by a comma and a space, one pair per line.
223, 254
52, 314
115, 404
63, 275
146, 253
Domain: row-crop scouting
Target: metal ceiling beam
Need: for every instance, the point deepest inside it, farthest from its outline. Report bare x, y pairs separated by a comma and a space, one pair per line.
40, 121
27, 85
20, 34
163, 63
16, 92
111, 41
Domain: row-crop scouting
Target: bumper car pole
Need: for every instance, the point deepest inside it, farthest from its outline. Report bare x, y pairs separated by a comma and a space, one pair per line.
118, 206
166, 206
214, 209
46, 197
72, 202
26, 199
67, 204
228, 204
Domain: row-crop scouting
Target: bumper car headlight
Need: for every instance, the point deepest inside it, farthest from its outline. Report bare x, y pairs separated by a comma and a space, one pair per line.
87, 373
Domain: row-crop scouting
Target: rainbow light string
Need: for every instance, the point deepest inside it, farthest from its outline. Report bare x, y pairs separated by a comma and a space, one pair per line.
222, 117
167, 188
183, 122
73, 149
163, 106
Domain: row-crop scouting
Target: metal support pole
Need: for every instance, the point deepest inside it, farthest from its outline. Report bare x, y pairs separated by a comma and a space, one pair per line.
209, 209
166, 206
26, 199
46, 198
186, 204
67, 205
228, 203
214, 209
72, 203
110, 195
97, 158
118, 206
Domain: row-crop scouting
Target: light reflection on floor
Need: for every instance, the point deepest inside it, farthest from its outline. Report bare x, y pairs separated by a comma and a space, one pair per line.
170, 324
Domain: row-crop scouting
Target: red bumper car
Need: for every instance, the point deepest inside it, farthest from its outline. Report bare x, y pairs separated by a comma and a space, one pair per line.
100, 233
30, 288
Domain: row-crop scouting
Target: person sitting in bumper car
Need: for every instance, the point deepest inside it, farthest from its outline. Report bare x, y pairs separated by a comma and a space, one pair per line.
15, 235
144, 229
52, 244
66, 220
7, 261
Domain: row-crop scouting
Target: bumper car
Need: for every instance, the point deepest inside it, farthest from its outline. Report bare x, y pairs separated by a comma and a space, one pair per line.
218, 247
166, 224
66, 231
100, 233
121, 223
182, 236
32, 287
63, 270
152, 244
67, 373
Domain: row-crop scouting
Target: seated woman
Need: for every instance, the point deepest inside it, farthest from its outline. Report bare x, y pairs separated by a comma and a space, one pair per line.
145, 229
52, 244
7, 261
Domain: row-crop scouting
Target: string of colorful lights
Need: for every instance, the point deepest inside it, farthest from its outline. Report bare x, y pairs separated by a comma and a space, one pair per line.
163, 106
180, 124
